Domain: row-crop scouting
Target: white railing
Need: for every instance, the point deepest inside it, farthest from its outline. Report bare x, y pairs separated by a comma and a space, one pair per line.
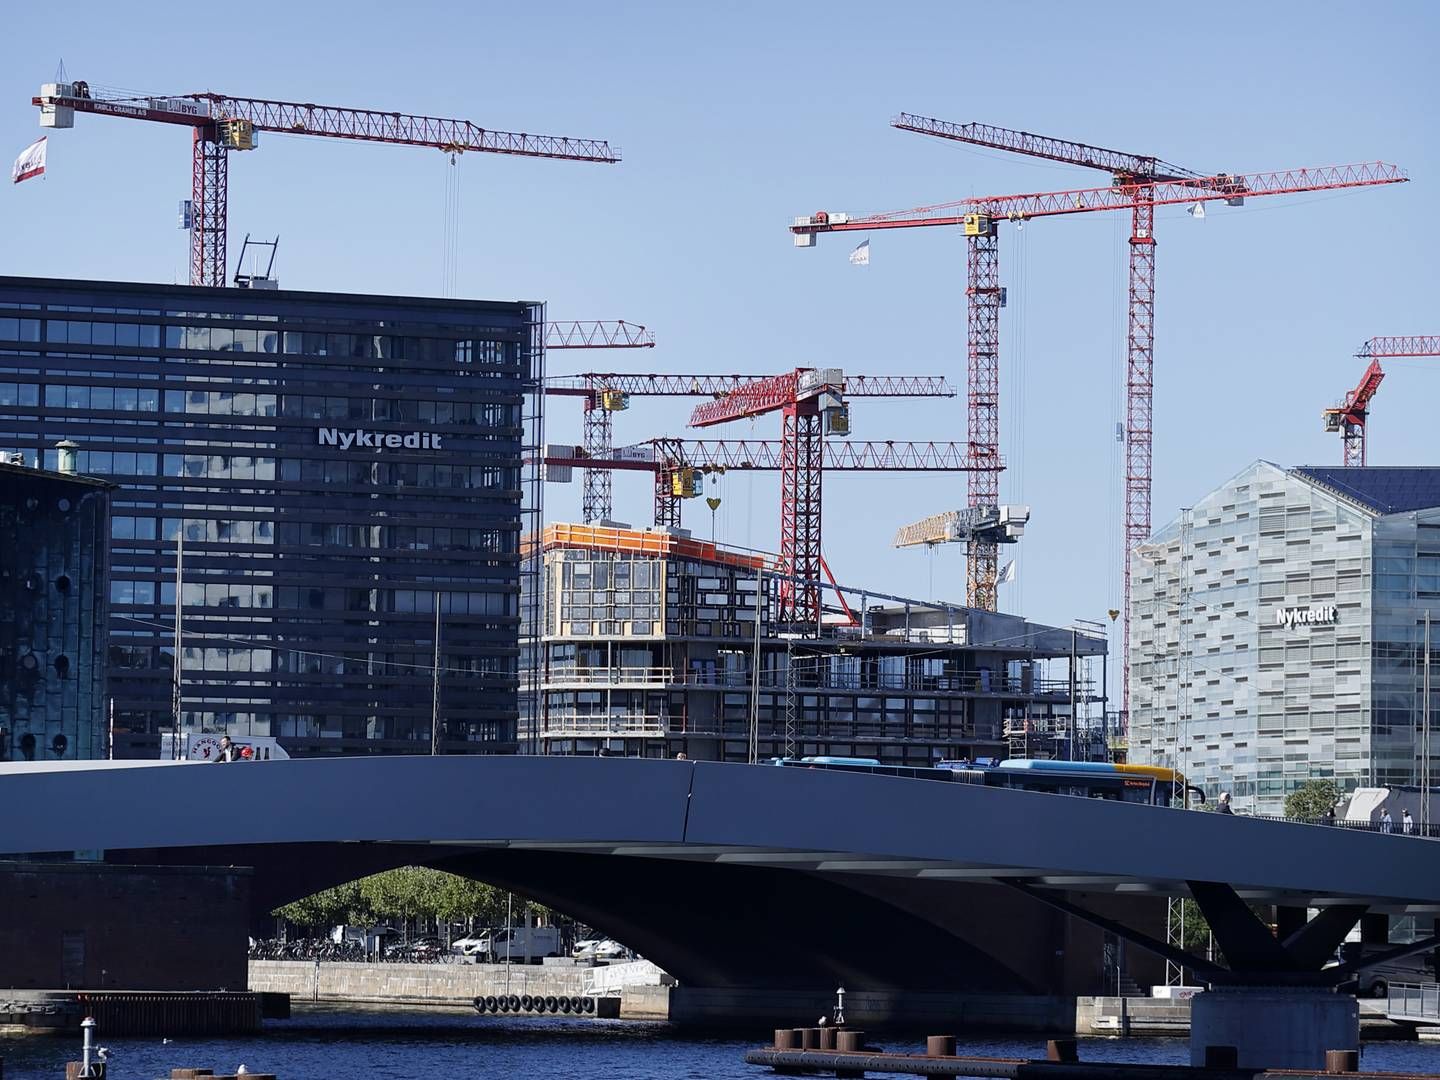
633, 726
1413, 1001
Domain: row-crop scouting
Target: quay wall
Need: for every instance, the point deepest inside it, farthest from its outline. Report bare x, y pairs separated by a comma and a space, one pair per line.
410, 984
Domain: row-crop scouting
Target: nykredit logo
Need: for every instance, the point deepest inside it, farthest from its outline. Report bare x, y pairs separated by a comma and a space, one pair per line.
360, 439
1322, 615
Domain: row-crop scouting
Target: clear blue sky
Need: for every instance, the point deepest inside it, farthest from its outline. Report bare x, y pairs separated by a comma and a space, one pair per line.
732, 119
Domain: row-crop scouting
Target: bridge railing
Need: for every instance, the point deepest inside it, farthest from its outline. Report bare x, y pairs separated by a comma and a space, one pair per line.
1396, 827
1413, 1001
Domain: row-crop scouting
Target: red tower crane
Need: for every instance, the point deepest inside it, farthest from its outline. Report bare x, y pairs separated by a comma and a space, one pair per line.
1350, 416
1132, 171
978, 219
675, 462
220, 124
606, 393
812, 404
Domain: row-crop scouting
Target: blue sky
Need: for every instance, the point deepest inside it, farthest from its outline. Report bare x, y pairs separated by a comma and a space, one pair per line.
734, 118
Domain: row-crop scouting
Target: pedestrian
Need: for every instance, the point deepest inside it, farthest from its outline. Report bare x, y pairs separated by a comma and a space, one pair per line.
682, 756
228, 751
1407, 823
1223, 806
1329, 815
1386, 824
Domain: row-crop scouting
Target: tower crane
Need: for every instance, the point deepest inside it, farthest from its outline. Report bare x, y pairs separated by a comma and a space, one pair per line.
677, 463
812, 404
979, 218
597, 335
606, 393
220, 124
1350, 416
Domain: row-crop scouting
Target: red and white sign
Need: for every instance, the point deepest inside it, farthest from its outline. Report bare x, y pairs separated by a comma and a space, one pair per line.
31, 161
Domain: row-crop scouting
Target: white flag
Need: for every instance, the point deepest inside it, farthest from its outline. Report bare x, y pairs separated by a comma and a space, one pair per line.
861, 255
31, 161
1007, 573
1197, 211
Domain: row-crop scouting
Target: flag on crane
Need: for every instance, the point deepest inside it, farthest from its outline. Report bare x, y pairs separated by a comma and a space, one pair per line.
1197, 211
861, 255
31, 161
1007, 573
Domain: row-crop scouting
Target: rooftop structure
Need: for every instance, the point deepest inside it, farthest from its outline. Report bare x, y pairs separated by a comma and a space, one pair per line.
651, 641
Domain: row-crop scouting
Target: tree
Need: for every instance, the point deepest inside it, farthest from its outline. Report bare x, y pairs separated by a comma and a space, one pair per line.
1311, 799
342, 904
407, 893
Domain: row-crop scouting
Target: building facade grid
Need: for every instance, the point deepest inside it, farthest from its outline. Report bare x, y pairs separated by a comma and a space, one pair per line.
338, 466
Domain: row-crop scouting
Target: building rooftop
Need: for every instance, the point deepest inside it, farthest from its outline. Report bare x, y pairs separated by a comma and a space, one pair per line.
1381, 490
643, 542
25, 472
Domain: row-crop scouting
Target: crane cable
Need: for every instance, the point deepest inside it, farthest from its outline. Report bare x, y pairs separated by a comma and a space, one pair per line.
450, 228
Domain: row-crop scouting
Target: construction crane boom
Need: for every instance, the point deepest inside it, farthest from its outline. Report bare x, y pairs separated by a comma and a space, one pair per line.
1118, 162
1115, 197
764, 455
606, 393
1417, 345
668, 385
598, 335
221, 123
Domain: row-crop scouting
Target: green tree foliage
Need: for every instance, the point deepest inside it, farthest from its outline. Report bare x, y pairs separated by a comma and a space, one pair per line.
342, 904
1311, 799
410, 892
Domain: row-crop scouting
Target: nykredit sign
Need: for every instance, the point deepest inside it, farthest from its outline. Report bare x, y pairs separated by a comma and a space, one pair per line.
1321, 615
379, 441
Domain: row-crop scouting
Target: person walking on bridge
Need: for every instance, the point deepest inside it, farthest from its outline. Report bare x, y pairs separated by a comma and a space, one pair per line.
1407, 823
1223, 806
1386, 824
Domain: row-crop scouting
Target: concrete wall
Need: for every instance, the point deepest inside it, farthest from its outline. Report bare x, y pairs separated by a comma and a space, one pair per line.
92, 926
410, 984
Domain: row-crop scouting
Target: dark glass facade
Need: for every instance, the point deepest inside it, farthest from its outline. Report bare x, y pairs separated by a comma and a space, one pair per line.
54, 535
338, 466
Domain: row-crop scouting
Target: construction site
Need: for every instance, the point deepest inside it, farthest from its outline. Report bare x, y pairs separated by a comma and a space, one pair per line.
637, 637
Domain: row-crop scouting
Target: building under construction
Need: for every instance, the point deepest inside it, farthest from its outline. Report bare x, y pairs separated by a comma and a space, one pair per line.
651, 647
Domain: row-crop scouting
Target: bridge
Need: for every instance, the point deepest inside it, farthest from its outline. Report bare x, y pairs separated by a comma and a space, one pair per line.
741, 876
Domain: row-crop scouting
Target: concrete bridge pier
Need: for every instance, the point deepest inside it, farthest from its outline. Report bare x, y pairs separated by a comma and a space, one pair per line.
1271, 1027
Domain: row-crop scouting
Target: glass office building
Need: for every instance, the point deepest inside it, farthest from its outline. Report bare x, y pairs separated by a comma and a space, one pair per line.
1277, 630
335, 467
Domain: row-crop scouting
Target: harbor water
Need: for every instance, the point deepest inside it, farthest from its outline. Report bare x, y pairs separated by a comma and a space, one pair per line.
323, 1043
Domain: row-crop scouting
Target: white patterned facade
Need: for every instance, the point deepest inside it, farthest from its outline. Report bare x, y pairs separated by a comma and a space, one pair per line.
1276, 632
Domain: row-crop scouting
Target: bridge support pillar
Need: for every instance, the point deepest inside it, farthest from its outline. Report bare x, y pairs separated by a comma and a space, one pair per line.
1273, 1027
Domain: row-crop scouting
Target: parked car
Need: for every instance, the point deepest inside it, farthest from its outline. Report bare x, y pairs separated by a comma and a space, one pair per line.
585, 950
610, 949
467, 946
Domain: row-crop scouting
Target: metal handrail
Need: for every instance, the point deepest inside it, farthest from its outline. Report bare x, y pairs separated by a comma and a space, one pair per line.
1431, 831
1418, 1001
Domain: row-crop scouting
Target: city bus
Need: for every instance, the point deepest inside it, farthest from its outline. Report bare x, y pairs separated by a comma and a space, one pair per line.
1150, 784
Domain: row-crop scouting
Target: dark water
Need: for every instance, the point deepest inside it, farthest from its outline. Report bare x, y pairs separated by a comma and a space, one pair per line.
357, 1045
